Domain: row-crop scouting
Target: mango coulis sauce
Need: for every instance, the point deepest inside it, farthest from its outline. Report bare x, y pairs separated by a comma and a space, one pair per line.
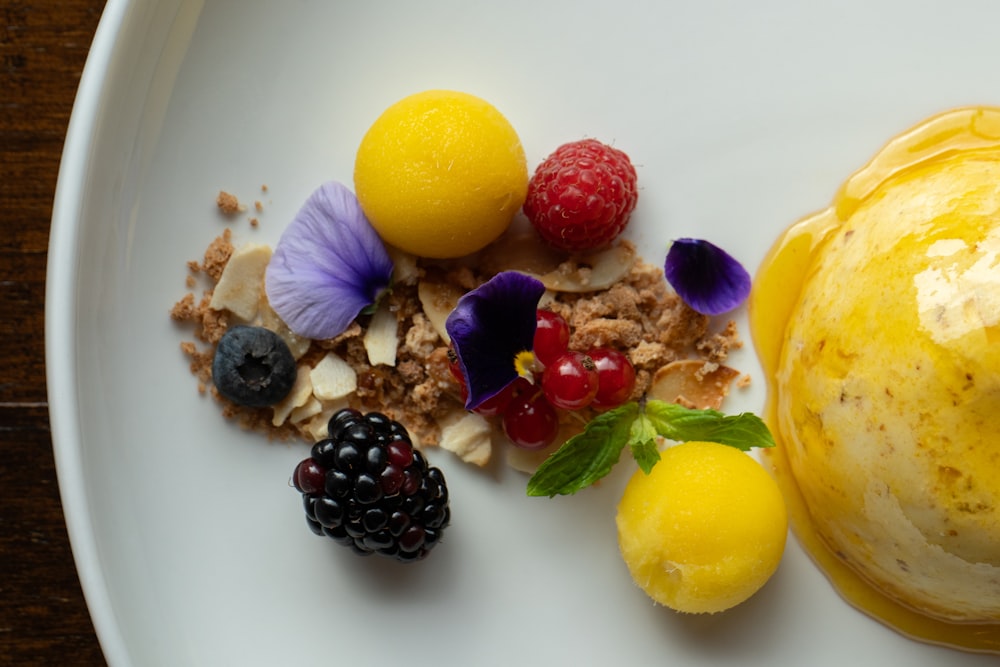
776, 302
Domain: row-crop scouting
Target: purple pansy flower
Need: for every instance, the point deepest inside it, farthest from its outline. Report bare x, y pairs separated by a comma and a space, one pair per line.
328, 265
705, 276
490, 327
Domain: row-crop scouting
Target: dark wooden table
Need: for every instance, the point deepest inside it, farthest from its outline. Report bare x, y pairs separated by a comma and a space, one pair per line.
43, 616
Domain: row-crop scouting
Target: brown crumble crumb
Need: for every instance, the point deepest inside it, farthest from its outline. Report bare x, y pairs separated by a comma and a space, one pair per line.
184, 311
744, 381
716, 347
217, 255
190, 282
254, 222
263, 188
259, 207
707, 368
228, 203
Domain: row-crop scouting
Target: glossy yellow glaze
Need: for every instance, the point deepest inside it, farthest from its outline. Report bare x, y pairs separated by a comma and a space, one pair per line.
876, 322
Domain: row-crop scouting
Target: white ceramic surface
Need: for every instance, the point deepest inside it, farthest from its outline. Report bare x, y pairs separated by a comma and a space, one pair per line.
192, 549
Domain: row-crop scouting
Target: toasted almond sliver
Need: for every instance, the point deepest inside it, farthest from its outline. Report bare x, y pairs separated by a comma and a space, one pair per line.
404, 266
519, 250
468, 437
438, 300
310, 408
333, 378
300, 392
592, 272
381, 337
270, 320
691, 382
318, 425
241, 283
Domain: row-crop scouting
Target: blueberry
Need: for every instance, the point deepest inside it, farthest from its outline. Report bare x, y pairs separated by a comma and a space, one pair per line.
253, 366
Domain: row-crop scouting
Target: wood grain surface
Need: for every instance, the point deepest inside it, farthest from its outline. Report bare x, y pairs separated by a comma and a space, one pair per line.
43, 616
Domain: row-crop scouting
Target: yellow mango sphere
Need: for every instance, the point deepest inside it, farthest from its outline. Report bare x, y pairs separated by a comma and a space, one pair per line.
704, 530
440, 174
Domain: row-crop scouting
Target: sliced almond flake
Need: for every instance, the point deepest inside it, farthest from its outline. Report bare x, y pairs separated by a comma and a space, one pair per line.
438, 300
404, 266
318, 426
519, 250
300, 392
693, 383
469, 436
593, 272
333, 378
381, 336
269, 319
310, 408
241, 283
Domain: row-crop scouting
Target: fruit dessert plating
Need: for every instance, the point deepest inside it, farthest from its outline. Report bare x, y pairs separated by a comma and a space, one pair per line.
428, 300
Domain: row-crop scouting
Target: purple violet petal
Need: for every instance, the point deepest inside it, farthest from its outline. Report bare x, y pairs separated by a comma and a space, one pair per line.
705, 276
328, 265
489, 327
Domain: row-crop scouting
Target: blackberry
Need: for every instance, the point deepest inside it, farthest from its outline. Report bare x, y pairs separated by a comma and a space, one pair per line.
366, 487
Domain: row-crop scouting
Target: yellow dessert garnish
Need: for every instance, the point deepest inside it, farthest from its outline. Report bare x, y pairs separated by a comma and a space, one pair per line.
704, 530
877, 322
440, 174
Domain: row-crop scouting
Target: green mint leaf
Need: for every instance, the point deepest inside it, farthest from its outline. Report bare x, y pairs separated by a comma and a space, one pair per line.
642, 441
587, 456
743, 431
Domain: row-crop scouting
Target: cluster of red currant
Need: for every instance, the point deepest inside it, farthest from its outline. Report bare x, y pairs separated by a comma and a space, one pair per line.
600, 378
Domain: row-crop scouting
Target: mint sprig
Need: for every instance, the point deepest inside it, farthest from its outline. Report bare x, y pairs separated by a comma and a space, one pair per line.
590, 455
642, 442
675, 422
587, 456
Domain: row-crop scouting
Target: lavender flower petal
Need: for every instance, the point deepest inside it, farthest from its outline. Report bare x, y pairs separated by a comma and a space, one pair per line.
489, 327
328, 265
705, 276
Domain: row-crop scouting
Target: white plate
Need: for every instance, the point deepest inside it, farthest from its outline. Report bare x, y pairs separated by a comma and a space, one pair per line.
190, 545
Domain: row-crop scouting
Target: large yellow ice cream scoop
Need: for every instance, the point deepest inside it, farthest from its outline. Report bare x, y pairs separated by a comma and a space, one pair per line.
884, 373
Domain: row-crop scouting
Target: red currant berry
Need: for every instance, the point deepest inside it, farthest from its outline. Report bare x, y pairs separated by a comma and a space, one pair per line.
530, 421
309, 477
551, 336
571, 381
615, 377
496, 405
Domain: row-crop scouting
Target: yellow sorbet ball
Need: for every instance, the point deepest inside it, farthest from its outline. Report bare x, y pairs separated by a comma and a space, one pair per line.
440, 174
704, 530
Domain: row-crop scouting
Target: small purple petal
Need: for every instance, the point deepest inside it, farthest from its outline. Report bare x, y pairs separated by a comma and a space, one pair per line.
706, 277
328, 265
489, 327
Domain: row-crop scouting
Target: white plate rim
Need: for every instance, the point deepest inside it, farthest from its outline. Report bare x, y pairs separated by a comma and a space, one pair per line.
60, 319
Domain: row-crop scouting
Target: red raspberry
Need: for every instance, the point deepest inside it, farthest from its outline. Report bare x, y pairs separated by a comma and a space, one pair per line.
580, 198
